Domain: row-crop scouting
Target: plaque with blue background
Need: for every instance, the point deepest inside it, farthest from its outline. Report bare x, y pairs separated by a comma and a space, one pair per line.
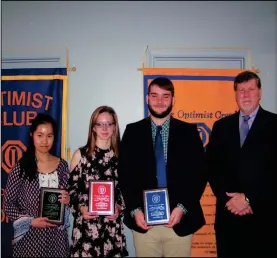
156, 206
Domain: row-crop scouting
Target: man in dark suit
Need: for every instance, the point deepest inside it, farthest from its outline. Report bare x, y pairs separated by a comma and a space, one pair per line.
242, 162
183, 176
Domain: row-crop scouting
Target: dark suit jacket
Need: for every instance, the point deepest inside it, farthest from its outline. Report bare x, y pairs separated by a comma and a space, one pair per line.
250, 170
185, 173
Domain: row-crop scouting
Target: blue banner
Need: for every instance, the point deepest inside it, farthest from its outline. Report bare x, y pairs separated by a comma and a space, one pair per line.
24, 94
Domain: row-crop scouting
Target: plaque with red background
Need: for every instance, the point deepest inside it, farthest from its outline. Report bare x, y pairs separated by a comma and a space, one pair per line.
101, 197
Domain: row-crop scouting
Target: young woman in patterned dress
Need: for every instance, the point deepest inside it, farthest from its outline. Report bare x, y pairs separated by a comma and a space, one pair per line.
97, 236
35, 236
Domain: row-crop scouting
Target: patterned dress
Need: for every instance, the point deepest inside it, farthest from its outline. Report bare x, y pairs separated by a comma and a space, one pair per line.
99, 237
22, 199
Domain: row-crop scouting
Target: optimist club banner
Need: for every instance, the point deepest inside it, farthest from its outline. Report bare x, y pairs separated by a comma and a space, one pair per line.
24, 94
202, 96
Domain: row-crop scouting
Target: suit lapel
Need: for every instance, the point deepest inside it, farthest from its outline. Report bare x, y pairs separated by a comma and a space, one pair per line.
234, 135
149, 149
172, 139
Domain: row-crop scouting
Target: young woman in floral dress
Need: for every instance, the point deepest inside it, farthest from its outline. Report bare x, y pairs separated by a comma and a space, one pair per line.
97, 236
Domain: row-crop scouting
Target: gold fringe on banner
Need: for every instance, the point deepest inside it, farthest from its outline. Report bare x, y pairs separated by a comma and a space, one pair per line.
211, 48
73, 69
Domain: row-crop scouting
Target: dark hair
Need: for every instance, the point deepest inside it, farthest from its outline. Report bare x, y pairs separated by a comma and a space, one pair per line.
163, 83
28, 163
245, 77
92, 135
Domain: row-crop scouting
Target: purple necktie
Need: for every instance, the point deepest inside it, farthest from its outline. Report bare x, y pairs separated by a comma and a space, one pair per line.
244, 129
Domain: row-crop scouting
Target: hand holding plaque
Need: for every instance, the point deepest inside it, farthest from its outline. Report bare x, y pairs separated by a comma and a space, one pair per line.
101, 197
156, 206
50, 206
116, 213
64, 197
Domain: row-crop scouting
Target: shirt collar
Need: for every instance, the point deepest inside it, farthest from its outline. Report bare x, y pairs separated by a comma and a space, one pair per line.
253, 114
164, 125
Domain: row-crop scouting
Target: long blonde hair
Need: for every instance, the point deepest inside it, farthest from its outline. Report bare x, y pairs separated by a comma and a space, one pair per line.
92, 135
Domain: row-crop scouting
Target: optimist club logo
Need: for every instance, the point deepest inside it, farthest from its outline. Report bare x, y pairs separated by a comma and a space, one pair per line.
52, 198
12, 151
101, 189
155, 198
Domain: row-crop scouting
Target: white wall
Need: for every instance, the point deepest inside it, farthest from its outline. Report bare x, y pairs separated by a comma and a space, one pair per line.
107, 40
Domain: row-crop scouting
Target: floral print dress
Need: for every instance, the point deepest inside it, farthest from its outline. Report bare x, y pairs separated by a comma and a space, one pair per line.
99, 237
